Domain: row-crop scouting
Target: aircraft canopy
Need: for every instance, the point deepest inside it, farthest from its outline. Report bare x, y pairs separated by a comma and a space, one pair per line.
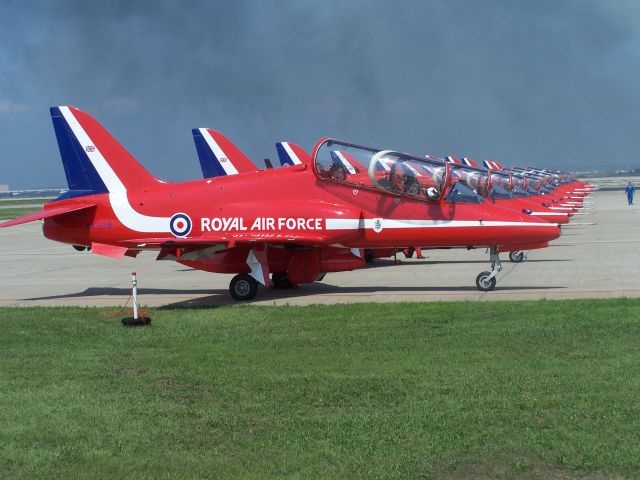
386, 170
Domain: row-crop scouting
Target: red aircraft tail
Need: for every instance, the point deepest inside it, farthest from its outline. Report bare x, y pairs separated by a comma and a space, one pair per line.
218, 155
94, 161
291, 154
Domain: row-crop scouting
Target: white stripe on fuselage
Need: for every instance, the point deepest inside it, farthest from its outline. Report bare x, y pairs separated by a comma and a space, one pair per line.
117, 191
542, 214
228, 167
358, 224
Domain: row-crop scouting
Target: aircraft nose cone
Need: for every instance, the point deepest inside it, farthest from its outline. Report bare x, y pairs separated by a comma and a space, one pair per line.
538, 229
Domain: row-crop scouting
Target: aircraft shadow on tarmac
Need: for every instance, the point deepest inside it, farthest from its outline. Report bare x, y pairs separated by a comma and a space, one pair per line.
445, 262
264, 295
123, 292
504, 263
217, 297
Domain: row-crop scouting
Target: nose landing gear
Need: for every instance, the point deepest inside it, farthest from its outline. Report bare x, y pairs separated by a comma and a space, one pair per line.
517, 256
486, 281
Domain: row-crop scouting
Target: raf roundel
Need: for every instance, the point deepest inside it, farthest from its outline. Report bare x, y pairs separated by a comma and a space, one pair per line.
180, 224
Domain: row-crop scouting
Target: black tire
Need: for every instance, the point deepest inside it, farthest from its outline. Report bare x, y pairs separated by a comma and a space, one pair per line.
516, 256
368, 255
483, 283
243, 287
79, 248
280, 280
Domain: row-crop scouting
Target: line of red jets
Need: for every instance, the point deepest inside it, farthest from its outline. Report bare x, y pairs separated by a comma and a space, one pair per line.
283, 227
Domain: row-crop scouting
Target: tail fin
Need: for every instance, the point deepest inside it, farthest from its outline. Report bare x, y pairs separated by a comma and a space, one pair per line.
218, 155
488, 164
470, 162
291, 154
94, 161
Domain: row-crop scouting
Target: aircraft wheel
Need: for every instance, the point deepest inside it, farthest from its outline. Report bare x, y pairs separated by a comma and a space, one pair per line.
484, 283
516, 257
280, 280
368, 255
243, 287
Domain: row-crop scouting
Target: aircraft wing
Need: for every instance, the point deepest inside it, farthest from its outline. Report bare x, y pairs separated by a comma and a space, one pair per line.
46, 213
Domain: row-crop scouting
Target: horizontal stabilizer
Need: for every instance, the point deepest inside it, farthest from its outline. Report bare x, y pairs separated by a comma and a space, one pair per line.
46, 213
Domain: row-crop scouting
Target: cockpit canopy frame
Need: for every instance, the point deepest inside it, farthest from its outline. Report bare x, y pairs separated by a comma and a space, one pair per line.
387, 171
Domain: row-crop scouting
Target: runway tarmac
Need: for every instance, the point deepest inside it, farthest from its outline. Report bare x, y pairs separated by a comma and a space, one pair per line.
597, 256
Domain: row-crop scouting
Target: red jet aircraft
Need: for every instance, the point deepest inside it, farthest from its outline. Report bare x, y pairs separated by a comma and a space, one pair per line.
296, 223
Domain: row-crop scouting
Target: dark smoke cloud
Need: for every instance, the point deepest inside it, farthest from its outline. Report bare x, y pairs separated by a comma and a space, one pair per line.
550, 83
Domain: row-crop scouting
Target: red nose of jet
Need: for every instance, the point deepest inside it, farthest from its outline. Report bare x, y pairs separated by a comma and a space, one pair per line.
522, 228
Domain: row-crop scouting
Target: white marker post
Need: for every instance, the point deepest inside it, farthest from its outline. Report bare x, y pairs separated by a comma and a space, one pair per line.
136, 320
134, 285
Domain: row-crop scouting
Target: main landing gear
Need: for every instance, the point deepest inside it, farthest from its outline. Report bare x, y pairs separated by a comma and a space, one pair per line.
243, 287
486, 281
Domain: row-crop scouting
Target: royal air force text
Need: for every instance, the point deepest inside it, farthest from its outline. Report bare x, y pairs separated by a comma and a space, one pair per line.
232, 224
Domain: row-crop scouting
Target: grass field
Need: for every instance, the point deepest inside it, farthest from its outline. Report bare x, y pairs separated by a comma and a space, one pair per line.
9, 213
443, 390
23, 201
16, 208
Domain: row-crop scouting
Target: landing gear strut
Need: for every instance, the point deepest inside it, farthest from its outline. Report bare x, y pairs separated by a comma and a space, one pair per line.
486, 281
243, 287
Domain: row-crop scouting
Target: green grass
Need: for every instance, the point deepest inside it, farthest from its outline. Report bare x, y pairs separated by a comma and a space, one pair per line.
10, 213
24, 201
20, 207
446, 390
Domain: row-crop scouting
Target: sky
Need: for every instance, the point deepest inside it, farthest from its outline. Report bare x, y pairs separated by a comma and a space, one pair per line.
551, 83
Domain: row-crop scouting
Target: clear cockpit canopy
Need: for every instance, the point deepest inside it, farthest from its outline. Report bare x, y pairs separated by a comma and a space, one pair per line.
386, 170
519, 186
468, 185
500, 186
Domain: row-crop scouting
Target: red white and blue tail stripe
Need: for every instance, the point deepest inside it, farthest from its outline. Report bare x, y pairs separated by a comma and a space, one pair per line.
470, 162
94, 161
291, 154
218, 155
492, 165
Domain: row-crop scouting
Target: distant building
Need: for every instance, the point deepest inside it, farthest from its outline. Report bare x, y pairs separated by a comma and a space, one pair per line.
4, 188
